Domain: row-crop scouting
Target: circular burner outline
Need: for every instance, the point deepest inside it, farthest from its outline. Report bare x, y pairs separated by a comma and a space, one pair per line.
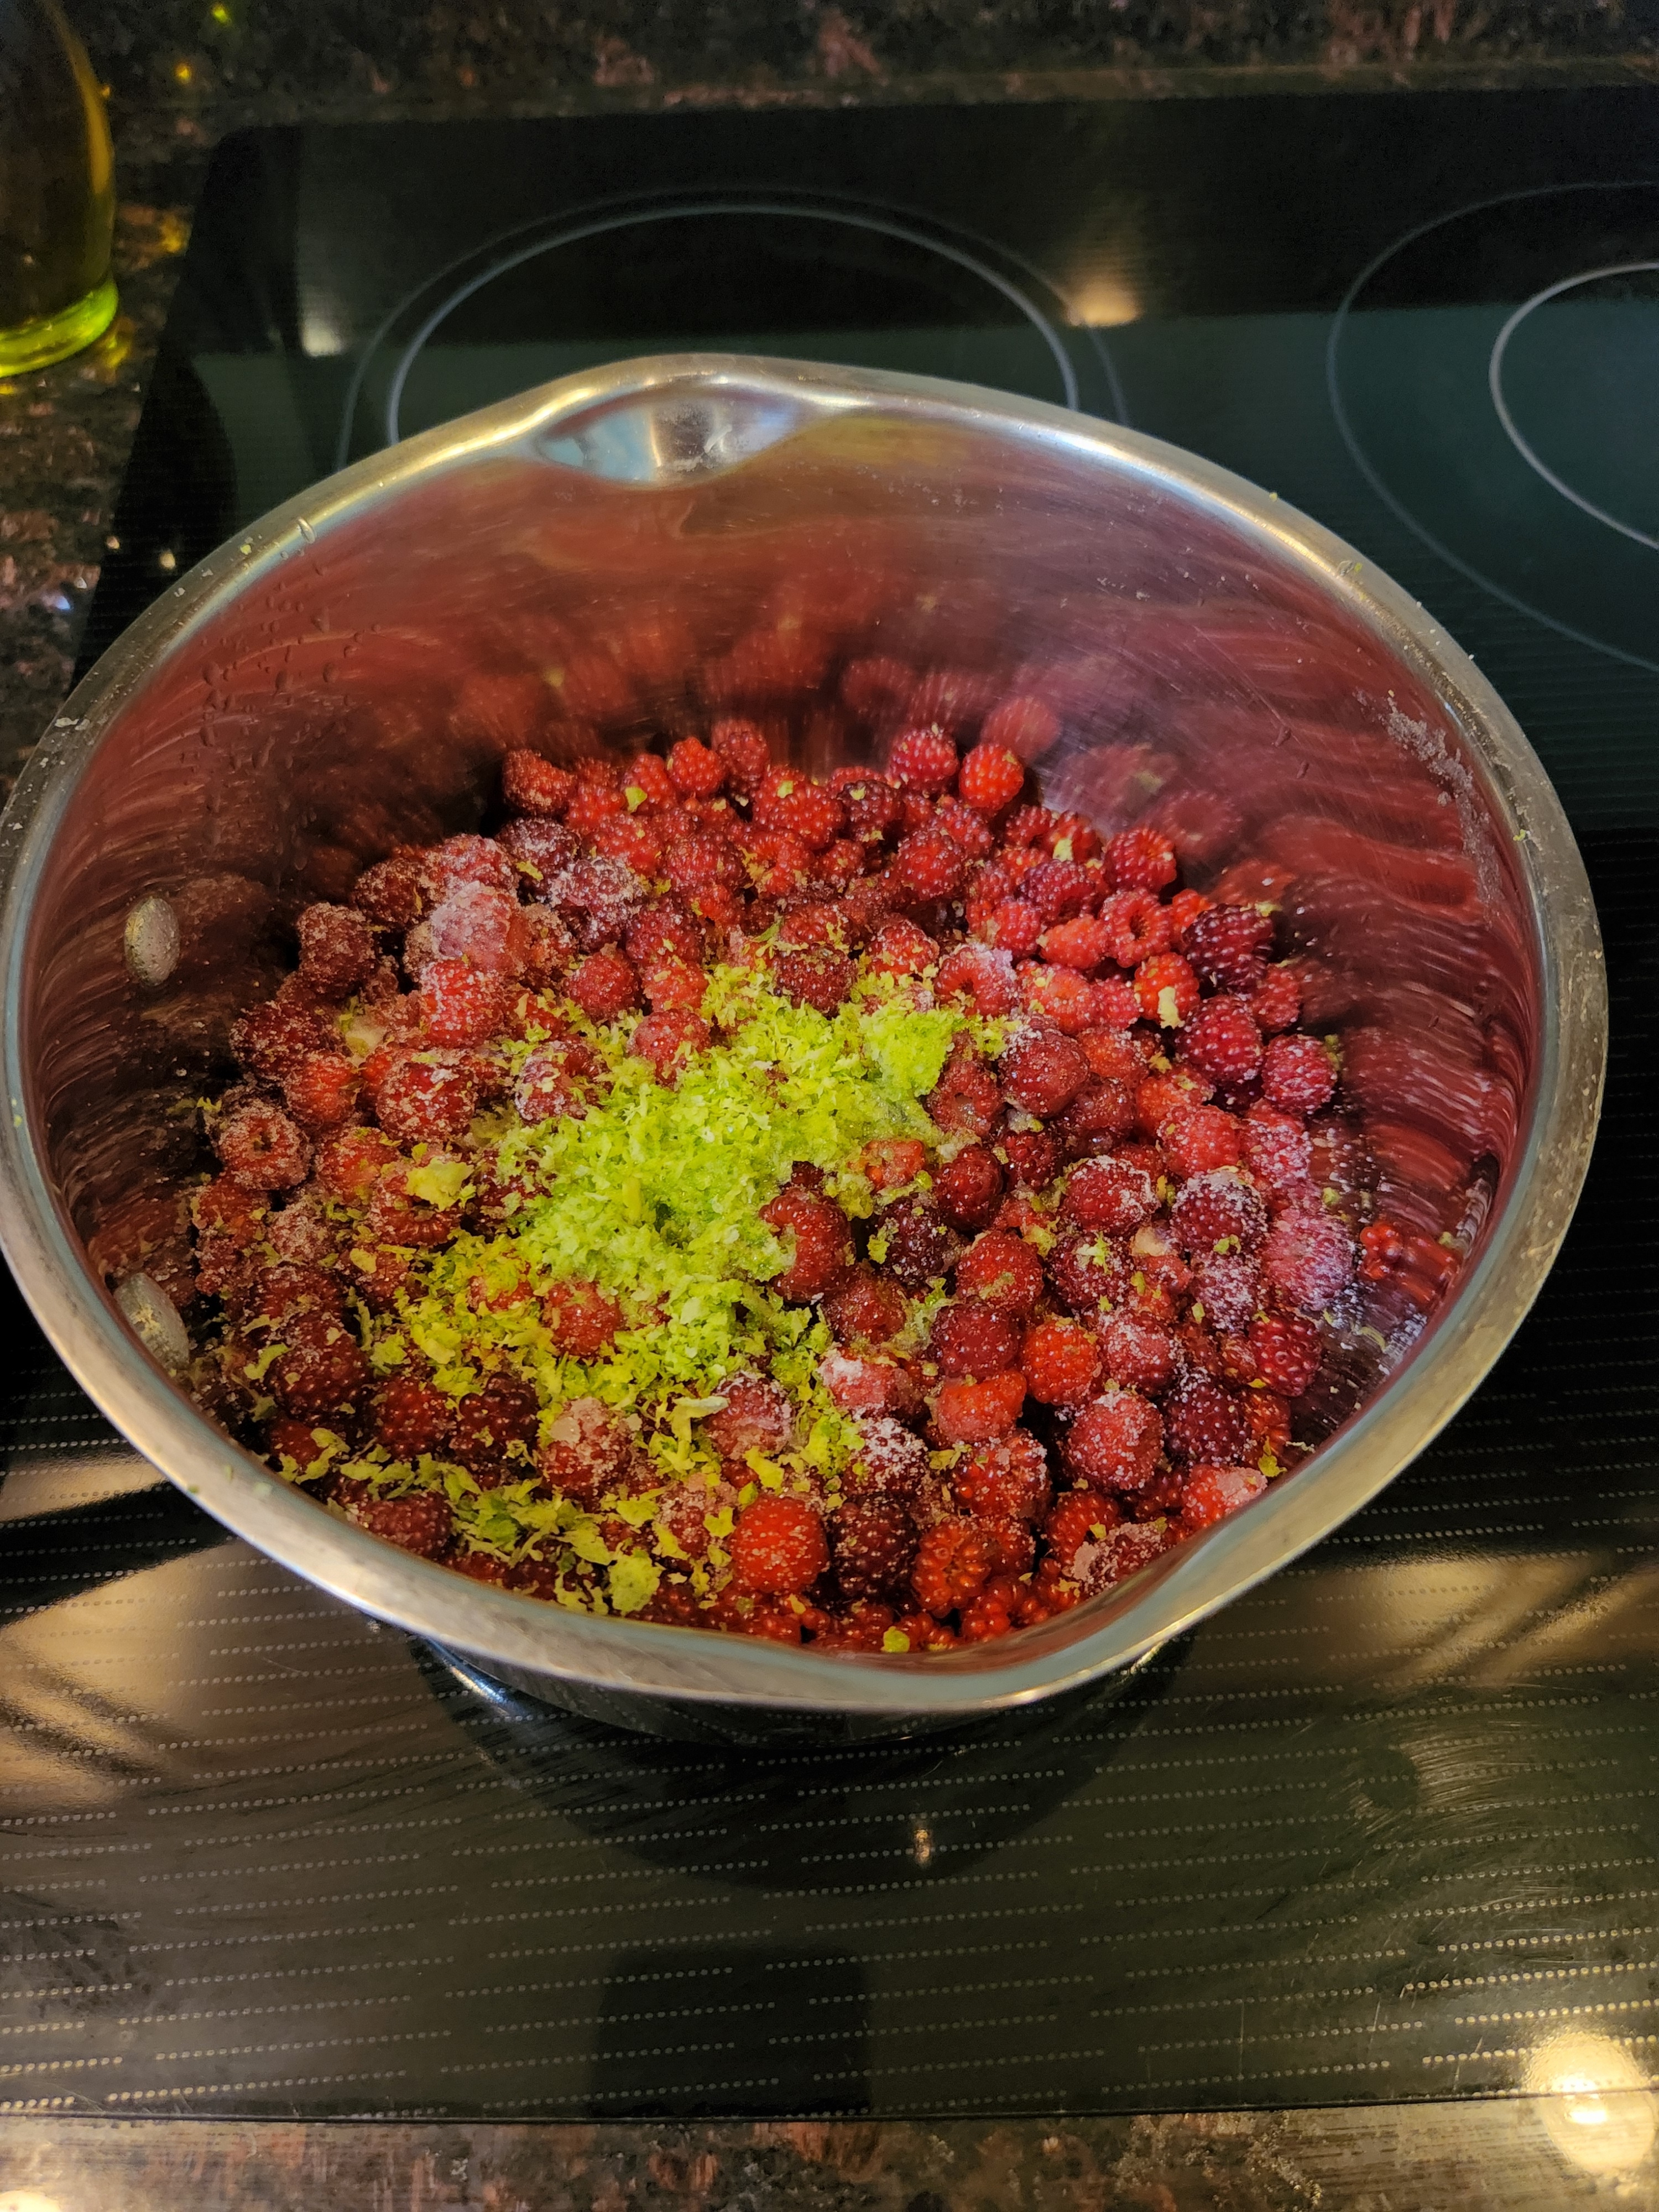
632, 217
1356, 453
1495, 384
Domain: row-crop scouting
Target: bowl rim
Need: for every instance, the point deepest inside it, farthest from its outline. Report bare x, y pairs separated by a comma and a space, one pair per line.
524, 1635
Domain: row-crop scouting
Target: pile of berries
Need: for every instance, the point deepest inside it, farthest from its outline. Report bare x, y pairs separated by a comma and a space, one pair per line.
1062, 1333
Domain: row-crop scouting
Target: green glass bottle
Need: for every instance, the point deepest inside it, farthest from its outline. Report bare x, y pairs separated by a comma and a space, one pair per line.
57, 190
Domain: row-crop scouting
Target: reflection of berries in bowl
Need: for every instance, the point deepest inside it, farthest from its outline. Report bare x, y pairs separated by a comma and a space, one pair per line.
831, 1009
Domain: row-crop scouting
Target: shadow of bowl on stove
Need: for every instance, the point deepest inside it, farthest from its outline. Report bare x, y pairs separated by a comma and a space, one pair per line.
627, 554
777, 1817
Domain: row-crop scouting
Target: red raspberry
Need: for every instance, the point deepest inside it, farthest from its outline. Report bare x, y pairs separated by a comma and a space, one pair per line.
865, 1308
972, 1339
1094, 1121
1012, 926
276, 1293
271, 1040
672, 986
408, 1416
954, 1560
1382, 1248
1308, 1258
1138, 1355
663, 930
264, 1148
1287, 1351
872, 803
1007, 1481
1200, 1138
1139, 927
1230, 946
1166, 989
1058, 889
966, 1101
822, 1249
1206, 1422
461, 1005
976, 972
1228, 1285
891, 1161
538, 849
1296, 1075
1081, 1518
391, 892
1083, 944
991, 777
815, 977
320, 1368
964, 828
1114, 1003
1027, 827
397, 1216
1043, 1073
1140, 860
348, 1165
479, 924
422, 1524
778, 1547
931, 863
605, 985
667, 1039
967, 1189
1123, 1551
872, 1543
580, 1319
1222, 1040
923, 760
1001, 1269
586, 1452
530, 785
427, 1098
557, 1080
697, 772
700, 862
337, 950
1277, 1004
647, 786
742, 745
1024, 726
1033, 1158
1060, 1363
797, 806
634, 841
488, 1424
467, 860
1086, 1272
592, 802
1113, 1058
757, 1416
1109, 1196
1114, 1442
1211, 1493
1218, 1208
322, 1089
919, 1248
1183, 911
818, 923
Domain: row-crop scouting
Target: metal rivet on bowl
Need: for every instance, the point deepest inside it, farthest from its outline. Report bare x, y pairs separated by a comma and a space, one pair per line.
151, 940
151, 1316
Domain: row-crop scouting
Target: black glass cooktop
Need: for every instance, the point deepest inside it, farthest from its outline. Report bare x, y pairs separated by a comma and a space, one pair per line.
1388, 1827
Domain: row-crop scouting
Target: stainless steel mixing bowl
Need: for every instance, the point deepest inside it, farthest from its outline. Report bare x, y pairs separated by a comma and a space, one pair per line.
629, 551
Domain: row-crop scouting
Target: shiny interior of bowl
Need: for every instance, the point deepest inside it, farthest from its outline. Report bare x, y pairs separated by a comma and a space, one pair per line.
612, 564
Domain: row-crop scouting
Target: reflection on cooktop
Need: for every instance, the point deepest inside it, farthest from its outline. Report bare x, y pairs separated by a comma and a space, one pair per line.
803, 279
1494, 375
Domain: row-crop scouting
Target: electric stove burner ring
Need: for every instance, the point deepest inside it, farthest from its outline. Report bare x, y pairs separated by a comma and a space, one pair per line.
1495, 381
631, 218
